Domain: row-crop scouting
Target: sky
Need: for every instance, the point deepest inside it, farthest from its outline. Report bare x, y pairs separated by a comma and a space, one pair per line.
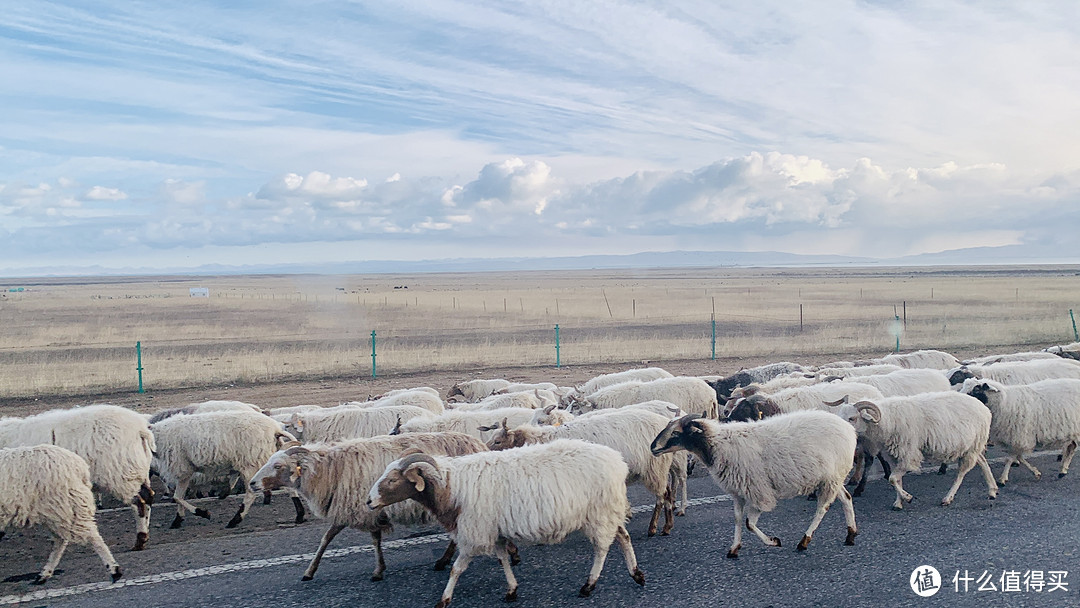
174, 135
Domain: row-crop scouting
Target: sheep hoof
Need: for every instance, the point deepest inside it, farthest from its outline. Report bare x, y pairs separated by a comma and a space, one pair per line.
803, 544
266, 498
638, 576
376, 577
850, 540
946, 503
942, 469
441, 565
775, 541
586, 589
442, 604
176, 522
652, 532
202, 513
511, 596
235, 521
306, 577
117, 573
1059, 458
140, 541
1015, 464
898, 507
1060, 475
680, 513
40, 580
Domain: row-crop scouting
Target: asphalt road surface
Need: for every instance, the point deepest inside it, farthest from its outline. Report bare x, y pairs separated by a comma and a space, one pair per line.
1032, 526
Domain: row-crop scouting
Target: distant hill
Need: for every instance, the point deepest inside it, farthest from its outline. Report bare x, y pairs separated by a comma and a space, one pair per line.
1007, 255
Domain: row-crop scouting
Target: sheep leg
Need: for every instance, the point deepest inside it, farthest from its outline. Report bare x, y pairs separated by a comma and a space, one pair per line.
849, 516
897, 481
736, 543
511, 548
328, 536
298, 505
886, 467
826, 496
59, 546
460, 564
249, 499
448, 555
656, 514
669, 511
182, 504
1066, 458
600, 551
142, 522
106, 556
623, 537
508, 571
967, 462
380, 563
752, 515
857, 473
988, 475
1036, 472
1009, 460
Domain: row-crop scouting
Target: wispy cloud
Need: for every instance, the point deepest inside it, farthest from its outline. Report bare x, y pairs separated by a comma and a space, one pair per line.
204, 125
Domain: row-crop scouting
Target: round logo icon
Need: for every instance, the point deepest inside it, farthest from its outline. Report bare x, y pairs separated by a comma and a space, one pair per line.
925, 581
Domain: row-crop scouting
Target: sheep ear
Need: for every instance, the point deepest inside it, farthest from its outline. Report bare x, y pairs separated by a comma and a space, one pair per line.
413, 475
487, 428
505, 427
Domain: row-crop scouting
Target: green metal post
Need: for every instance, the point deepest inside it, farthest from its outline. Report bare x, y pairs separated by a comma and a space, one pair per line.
558, 361
1075, 335
897, 333
138, 364
714, 338
372, 354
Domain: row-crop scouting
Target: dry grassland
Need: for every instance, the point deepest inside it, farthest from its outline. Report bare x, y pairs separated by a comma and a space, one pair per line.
77, 336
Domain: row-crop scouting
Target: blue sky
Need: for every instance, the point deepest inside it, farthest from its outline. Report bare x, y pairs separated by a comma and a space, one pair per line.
137, 134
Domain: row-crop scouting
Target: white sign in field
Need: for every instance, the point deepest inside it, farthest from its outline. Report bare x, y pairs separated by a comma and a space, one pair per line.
199, 292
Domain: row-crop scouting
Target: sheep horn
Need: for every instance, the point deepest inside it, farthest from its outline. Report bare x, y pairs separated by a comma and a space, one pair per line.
840, 401
415, 457
674, 410
869, 406
296, 449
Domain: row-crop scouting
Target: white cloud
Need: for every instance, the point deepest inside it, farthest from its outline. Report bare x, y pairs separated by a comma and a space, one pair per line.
101, 193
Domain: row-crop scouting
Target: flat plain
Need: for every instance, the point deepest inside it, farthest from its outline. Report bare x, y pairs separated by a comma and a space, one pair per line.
76, 337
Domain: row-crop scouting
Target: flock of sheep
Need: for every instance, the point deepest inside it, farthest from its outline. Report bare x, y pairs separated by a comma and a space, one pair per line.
499, 463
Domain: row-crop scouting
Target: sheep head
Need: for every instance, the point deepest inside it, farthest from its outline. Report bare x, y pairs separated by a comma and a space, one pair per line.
282, 470
504, 438
411, 476
686, 433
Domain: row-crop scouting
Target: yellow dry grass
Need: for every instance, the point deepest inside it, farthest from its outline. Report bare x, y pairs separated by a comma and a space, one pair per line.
63, 337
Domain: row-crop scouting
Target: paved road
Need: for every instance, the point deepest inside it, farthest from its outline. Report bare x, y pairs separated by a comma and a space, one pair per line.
1032, 526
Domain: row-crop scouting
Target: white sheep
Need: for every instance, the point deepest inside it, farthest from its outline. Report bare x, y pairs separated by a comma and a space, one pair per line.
821, 396
535, 494
334, 481
921, 359
942, 427
417, 398
518, 387
204, 407
50, 486
471, 391
1017, 372
1045, 413
346, 422
398, 391
1009, 358
905, 382
552, 416
759, 463
479, 424
824, 373
532, 399
644, 374
627, 431
115, 442
277, 413
686, 393
1067, 351
216, 444
760, 374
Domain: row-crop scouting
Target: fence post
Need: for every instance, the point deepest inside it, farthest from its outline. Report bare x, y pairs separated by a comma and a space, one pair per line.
713, 337
558, 361
1075, 335
373, 354
897, 332
139, 367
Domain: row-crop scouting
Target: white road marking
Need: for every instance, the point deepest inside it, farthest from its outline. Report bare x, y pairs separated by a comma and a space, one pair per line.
153, 579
